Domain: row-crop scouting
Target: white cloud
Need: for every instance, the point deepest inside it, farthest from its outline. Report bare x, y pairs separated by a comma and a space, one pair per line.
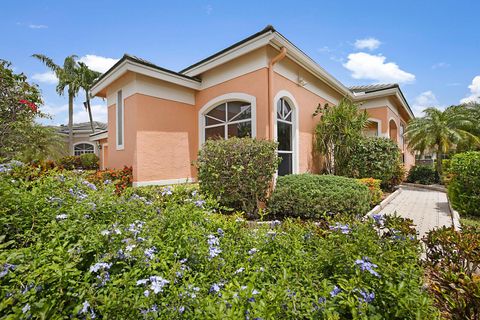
474, 91
373, 67
45, 77
424, 100
37, 26
440, 65
209, 9
99, 113
98, 63
367, 43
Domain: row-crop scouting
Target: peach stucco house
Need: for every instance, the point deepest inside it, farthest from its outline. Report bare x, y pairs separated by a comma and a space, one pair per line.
263, 86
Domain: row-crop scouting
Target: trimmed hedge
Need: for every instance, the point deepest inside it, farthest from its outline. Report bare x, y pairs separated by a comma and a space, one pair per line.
423, 175
238, 171
464, 186
312, 196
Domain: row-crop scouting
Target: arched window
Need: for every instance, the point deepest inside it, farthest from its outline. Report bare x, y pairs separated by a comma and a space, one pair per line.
82, 148
229, 119
285, 136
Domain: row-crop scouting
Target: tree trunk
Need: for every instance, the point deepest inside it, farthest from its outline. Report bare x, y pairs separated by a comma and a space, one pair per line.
439, 162
89, 111
70, 123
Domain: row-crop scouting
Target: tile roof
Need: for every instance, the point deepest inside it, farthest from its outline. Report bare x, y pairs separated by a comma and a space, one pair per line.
83, 126
373, 87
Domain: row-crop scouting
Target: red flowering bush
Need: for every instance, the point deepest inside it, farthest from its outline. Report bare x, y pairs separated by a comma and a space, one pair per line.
120, 178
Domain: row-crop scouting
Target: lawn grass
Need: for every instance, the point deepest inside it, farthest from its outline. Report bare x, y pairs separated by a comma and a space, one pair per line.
473, 221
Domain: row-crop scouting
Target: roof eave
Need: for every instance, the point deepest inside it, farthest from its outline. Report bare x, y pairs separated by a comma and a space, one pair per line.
386, 93
127, 64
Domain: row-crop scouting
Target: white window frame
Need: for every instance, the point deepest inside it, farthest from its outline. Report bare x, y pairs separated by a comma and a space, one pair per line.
120, 101
85, 142
295, 126
228, 97
379, 125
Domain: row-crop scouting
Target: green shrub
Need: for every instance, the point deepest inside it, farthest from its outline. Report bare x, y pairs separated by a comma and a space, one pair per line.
238, 171
423, 175
453, 266
312, 196
70, 162
373, 186
377, 158
464, 186
70, 251
89, 161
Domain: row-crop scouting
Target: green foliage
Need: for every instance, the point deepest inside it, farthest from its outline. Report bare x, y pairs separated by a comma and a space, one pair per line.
423, 175
464, 186
313, 196
238, 171
453, 261
89, 161
47, 144
377, 158
18, 110
337, 133
56, 229
440, 131
373, 186
70, 162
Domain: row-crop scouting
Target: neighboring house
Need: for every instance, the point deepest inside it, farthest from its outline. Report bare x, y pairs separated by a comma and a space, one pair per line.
263, 87
81, 137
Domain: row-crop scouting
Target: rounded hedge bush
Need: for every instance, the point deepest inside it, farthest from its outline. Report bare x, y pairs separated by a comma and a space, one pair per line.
423, 175
464, 186
312, 196
238, 171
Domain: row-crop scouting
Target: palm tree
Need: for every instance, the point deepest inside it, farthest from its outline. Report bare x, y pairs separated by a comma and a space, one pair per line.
440, 131
67, 79
87, 77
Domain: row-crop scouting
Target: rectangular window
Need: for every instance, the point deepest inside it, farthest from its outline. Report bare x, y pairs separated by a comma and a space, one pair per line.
120, 121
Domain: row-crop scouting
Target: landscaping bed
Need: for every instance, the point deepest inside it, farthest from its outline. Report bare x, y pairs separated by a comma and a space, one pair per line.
69, 248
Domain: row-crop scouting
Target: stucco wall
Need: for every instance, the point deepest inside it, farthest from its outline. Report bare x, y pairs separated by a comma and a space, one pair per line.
166, 139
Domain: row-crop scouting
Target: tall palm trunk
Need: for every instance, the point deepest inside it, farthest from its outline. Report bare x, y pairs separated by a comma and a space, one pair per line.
89, 111
439, 161
70, 122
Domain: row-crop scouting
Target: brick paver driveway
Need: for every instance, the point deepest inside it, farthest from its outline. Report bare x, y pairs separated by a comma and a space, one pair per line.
427, 208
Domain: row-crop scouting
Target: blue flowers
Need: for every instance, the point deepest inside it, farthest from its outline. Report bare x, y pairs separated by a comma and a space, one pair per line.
366, 296
239, 270
215, 288
150, 252
336, 290
90, 185
157, 284
62, 216
199, 203
26, 308
100, 266
214, 246
6, 268
252, 251
344, 228
166, 191
77, 193
366, 265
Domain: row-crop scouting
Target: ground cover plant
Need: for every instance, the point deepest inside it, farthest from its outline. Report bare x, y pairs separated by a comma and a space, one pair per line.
73, 249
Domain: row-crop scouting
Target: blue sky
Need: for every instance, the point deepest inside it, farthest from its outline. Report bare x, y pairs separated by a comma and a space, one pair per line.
431, 47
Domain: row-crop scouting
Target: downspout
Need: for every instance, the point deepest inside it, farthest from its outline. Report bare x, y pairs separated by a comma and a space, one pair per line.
277, 58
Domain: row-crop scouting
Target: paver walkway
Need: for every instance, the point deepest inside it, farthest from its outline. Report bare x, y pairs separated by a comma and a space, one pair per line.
427, 208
